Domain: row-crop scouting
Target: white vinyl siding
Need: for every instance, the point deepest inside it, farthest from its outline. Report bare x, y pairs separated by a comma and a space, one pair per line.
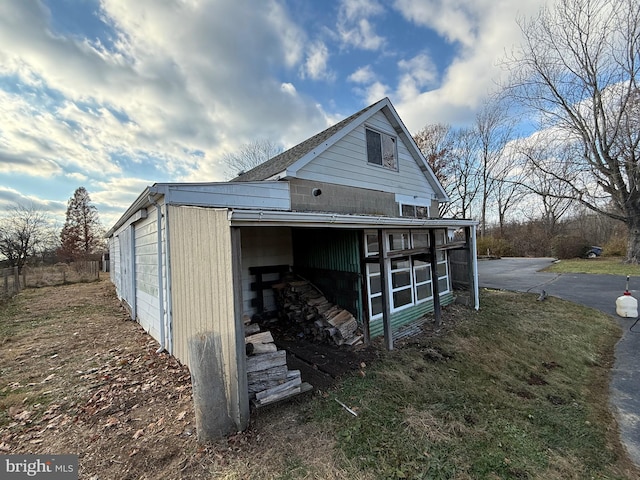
345, 163
147, 298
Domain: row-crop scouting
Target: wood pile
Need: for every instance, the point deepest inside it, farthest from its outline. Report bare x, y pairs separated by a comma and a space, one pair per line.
269, 380
313, 317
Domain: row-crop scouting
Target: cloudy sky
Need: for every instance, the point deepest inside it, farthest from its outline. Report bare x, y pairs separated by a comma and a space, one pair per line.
115, 95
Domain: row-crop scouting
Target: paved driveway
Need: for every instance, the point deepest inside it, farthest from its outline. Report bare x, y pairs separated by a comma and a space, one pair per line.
596, 291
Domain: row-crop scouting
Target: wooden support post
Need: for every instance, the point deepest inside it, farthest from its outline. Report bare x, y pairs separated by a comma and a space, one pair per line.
437, 311
210, 396
16, 280
386, 305
470, 266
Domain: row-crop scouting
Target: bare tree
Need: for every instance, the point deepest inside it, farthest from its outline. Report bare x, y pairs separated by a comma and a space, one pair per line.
577, 70
249, 156
24, 233
465, 184
435, 141
494, 133
549, 174
509, 190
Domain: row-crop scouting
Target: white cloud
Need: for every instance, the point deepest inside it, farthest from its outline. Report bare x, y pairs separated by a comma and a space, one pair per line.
480, 31
416, 74
316, 65
355, 29
363, 75
181, 85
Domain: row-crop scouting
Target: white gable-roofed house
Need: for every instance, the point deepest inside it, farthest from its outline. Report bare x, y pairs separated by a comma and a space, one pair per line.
353, 210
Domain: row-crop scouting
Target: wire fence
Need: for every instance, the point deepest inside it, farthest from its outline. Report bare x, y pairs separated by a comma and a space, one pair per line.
12, 281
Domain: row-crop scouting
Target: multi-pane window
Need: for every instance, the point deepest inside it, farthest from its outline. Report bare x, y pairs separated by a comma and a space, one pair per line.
409, 276
375, 289
443, 271
414, 211
401, 284
422, 280
381, 149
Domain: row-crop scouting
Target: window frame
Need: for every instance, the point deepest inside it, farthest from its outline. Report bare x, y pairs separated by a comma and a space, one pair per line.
381, 136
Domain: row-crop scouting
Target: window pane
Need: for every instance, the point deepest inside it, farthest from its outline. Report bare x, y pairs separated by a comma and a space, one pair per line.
441, 256
373, 268
376, 306
408, 211
443, 285
400, 279
442, 270
388, 152
374, 147
403, 297
399, 263
398, 241
424, 291
372, 244
420, 240
441, 237
423, 274
375, 285
422, 212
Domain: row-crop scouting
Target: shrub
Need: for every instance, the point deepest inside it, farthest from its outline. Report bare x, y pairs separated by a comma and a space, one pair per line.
570, 246
616, 246
498, 247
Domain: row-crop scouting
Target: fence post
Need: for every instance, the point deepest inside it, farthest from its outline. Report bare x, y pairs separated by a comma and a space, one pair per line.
5, 274
16, 280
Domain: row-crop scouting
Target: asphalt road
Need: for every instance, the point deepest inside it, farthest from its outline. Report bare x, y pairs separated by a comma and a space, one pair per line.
596, 291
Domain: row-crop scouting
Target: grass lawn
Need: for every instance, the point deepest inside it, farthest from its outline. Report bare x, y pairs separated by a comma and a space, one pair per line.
607, 265
518, 390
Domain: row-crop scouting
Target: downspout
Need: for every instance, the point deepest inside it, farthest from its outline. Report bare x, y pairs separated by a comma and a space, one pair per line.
160, 288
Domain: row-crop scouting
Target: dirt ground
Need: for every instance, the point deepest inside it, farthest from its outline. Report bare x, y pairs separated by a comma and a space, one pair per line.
78, 377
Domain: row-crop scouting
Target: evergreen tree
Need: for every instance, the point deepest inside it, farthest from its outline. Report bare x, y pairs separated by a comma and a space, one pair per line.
82, 232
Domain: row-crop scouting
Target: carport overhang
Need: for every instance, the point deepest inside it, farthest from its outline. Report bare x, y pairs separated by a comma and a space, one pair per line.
381, 224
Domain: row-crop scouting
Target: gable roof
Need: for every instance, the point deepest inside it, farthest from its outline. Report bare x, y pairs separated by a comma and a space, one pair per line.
288, 162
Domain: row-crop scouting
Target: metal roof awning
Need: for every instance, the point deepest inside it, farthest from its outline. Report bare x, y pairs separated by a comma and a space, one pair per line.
244, 218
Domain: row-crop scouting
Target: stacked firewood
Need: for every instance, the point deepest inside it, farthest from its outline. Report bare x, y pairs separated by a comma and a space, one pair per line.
269, 380
313, 317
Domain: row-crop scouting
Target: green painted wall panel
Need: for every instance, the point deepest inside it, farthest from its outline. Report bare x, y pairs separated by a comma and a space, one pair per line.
408, 315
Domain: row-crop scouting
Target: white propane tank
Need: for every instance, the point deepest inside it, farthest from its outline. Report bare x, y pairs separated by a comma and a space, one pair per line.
626, 305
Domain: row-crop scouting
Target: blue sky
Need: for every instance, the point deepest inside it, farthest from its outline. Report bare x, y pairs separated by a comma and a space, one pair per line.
115, 95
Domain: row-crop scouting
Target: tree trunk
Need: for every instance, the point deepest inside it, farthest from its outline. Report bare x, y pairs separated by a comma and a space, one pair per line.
633, 242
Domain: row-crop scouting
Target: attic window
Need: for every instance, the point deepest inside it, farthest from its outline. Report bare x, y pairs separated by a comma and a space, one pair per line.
381, 149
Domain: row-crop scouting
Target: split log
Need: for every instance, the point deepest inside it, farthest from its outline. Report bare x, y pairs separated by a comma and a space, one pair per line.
261, 337
283, 387
276, 374
260, 348
266, 361
251, 329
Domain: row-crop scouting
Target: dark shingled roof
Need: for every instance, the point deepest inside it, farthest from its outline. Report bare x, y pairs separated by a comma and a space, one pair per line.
280, 162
